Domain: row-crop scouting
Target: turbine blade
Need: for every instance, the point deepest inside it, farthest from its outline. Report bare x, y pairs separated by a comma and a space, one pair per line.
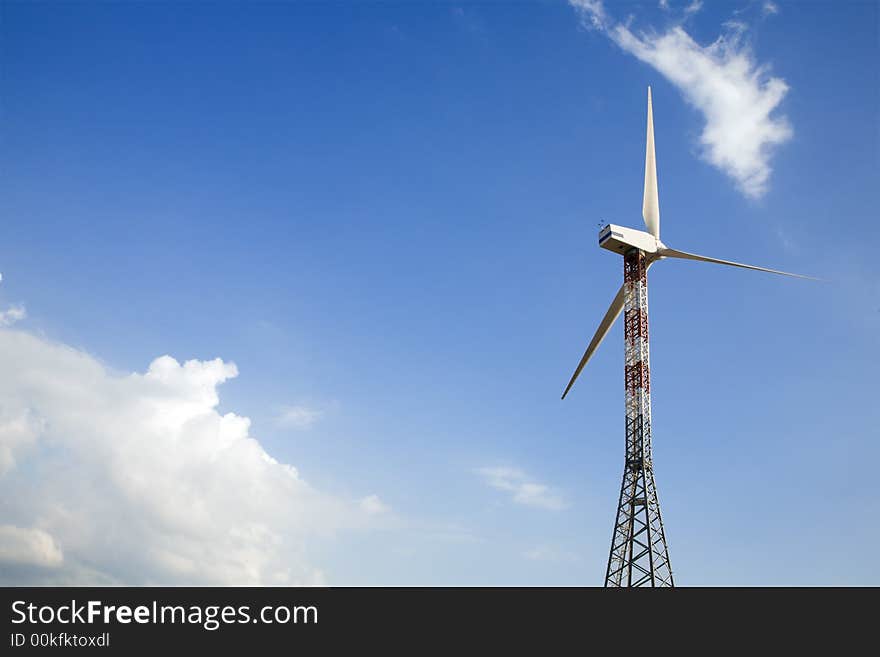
673, 253
651, 201
606, 323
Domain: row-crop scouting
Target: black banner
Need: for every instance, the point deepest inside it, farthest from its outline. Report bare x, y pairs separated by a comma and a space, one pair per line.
417, 620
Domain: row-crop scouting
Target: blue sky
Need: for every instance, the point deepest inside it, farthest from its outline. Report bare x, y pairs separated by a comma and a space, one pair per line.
385, 215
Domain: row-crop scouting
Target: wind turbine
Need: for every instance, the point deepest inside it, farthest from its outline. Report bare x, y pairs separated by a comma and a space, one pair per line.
639, 555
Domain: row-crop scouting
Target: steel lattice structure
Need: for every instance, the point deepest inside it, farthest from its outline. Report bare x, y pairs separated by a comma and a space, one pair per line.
639, 556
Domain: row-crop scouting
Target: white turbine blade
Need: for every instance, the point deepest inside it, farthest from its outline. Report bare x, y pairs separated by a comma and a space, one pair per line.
651, 202
606, 323
673, 253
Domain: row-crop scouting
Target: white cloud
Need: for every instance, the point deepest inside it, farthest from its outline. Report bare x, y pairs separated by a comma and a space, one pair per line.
299, 416
524, 490
693, 7
770, 8
372, 505
593, 11
736, 96
18, 432
12, 315
29, 547
139, 480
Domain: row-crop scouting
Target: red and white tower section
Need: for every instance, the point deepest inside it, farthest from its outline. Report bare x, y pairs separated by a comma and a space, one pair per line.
639, 556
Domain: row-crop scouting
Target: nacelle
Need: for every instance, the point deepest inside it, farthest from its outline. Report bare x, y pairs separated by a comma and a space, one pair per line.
620, 239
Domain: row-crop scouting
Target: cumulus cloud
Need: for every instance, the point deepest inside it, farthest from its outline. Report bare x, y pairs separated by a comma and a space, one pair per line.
136, 478
18, 432
522, 488
31, 547
737, 97
12, 314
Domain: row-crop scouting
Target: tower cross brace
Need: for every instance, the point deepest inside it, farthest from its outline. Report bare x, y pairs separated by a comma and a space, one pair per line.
639, 555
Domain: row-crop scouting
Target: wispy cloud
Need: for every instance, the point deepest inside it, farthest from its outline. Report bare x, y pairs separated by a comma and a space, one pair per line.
372, 505
770, 8
735, 94
522, 488
299, 416
12, 315
787, 240
549, 553
693, 7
